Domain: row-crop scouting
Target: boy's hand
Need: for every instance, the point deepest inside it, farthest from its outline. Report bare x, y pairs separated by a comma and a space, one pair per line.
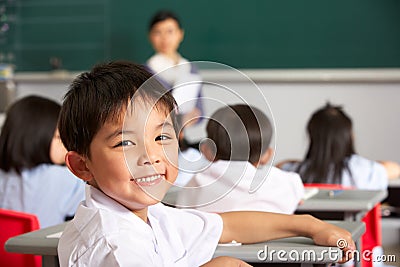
327, 234
226, 262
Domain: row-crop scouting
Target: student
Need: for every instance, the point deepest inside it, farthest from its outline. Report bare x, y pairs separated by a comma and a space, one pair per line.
331, 157
32, 179
241, 137
121, 140
165, 35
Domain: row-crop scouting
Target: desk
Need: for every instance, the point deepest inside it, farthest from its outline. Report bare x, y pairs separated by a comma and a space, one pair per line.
289, 247
394, 183
349, 205
37, 243
353, 204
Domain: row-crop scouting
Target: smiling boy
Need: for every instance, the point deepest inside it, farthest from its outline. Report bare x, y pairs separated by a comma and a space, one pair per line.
122, 141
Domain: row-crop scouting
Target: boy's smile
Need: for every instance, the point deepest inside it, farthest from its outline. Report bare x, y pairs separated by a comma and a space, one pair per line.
149, 180
134, 158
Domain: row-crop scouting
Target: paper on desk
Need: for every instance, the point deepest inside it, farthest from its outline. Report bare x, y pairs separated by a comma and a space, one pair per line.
55, 235
309, 192
230, 244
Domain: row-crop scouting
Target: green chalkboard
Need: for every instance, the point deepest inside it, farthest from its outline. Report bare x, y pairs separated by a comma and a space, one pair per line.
243, 34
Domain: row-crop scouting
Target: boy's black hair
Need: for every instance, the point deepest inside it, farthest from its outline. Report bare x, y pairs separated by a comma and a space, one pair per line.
100, 95
331, 144
240, 132
163, 15
27, 133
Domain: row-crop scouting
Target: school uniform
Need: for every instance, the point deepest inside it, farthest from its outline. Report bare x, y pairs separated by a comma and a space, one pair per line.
105, 233
238, 185
174, 75
190, 161
51, 192
365, 174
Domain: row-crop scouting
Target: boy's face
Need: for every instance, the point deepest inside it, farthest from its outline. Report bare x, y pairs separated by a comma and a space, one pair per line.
166, 36
147, 143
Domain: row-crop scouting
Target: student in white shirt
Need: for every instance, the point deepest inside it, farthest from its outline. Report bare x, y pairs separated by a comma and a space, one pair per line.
121, 140
331, 157
32, 178
239, 145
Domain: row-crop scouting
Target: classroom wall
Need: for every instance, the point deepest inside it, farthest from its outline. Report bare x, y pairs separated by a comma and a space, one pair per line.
373, 105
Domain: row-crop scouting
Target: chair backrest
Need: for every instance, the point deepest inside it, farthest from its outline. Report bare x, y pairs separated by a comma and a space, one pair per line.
13, 223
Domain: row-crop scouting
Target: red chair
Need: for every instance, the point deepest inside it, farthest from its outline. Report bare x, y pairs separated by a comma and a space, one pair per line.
372, 237
13, 223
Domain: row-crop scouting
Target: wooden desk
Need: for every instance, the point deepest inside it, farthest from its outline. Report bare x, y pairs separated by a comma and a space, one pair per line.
38, 243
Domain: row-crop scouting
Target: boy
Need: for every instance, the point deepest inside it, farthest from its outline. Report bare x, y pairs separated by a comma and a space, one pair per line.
120, 223
239, 139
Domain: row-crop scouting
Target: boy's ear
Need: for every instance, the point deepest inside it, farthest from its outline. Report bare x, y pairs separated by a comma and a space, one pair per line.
208, 152
77, 165
266, 156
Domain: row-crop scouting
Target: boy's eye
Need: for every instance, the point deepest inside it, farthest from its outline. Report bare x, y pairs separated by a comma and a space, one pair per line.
125, 143
162, 137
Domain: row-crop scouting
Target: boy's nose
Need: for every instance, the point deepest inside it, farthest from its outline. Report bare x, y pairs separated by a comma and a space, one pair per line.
150, 156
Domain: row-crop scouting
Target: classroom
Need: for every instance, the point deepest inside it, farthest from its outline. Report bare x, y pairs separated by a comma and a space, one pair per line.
285, 58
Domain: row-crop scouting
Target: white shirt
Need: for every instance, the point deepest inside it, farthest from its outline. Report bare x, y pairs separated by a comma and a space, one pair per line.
366, 174
229, 185
105, 233
181, 77
51, 192
190, 161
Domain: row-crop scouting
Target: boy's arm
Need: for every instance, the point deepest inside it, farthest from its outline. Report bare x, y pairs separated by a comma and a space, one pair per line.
253, 226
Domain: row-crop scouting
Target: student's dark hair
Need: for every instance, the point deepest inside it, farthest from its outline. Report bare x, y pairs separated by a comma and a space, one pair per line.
240, 132
100, 95
27, 133
331, 145
163, 15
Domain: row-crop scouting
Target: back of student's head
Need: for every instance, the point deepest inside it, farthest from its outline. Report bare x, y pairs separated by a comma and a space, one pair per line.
163, 15
100, 95
331, 143
27, 133
240, 133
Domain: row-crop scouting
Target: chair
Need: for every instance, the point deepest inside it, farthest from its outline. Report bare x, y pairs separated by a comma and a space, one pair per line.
13, 223
372, 238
